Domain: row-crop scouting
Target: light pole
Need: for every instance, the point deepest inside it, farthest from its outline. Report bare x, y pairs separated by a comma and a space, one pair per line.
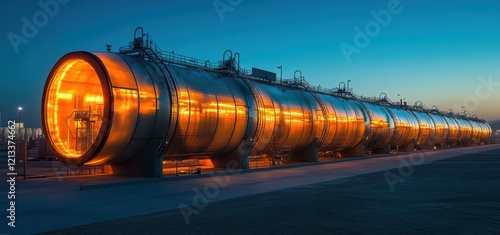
281, 74
348, 81
19, 142
19, 120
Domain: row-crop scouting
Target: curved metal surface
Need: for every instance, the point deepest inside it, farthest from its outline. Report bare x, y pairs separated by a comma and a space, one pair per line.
466, 130
453, 130
212, 113
477, 131
485, 133
99, 108
441, 131
406, 127
103, 108
427, 128
381, 128
346, 123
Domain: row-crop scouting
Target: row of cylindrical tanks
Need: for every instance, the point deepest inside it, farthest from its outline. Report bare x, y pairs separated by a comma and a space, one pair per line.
110, 108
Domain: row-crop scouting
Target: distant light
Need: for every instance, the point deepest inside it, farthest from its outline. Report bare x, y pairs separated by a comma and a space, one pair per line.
19, 108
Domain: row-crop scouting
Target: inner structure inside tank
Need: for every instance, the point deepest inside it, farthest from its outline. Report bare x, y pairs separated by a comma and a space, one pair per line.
75, 106
133, 110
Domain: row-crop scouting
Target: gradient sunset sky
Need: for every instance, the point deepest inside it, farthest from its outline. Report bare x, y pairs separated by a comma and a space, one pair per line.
443, 53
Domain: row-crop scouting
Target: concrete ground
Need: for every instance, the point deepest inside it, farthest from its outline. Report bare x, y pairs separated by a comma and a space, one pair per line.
446, 191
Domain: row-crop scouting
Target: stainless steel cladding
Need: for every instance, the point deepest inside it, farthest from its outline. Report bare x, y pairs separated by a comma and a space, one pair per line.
465, 130
427, 129
342, 123
211, 112
453, 130
381, 128
407, 127
107, 108
441, 130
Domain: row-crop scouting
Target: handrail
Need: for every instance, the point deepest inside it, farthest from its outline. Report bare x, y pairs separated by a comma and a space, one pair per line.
232, 67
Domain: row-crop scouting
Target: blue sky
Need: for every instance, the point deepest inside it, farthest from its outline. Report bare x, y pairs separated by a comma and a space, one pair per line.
443, 53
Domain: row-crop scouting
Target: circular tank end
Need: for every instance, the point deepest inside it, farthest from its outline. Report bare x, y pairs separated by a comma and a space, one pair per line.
75, 103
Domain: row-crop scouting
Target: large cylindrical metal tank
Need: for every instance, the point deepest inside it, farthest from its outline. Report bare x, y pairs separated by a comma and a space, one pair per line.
407, 127
101, 108
285, 117
484, 135
477, 131
105, 108
453, 130
465, 130
212, 113
427, 128
381, 129
345, 126
441, 128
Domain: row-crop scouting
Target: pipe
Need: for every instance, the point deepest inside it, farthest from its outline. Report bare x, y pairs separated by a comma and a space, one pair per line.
132, 105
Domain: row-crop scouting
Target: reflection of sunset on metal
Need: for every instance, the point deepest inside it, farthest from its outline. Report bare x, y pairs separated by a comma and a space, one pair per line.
427, 51
147, 104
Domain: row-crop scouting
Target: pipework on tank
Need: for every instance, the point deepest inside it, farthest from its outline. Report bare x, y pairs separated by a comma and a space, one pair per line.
131, 110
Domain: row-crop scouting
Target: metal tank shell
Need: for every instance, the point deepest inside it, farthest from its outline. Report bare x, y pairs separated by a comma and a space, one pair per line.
453, 130
212, 114
441, 128
285, 117
485, 134
477, 131
381, 126
465, 130
109, 108
427, 128
406, 125
100, 108
345, 125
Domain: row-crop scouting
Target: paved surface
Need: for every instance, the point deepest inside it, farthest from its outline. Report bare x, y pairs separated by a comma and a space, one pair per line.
396, 194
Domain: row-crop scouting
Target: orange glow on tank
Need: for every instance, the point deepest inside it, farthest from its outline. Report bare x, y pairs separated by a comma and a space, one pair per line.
109, 108
74, 107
